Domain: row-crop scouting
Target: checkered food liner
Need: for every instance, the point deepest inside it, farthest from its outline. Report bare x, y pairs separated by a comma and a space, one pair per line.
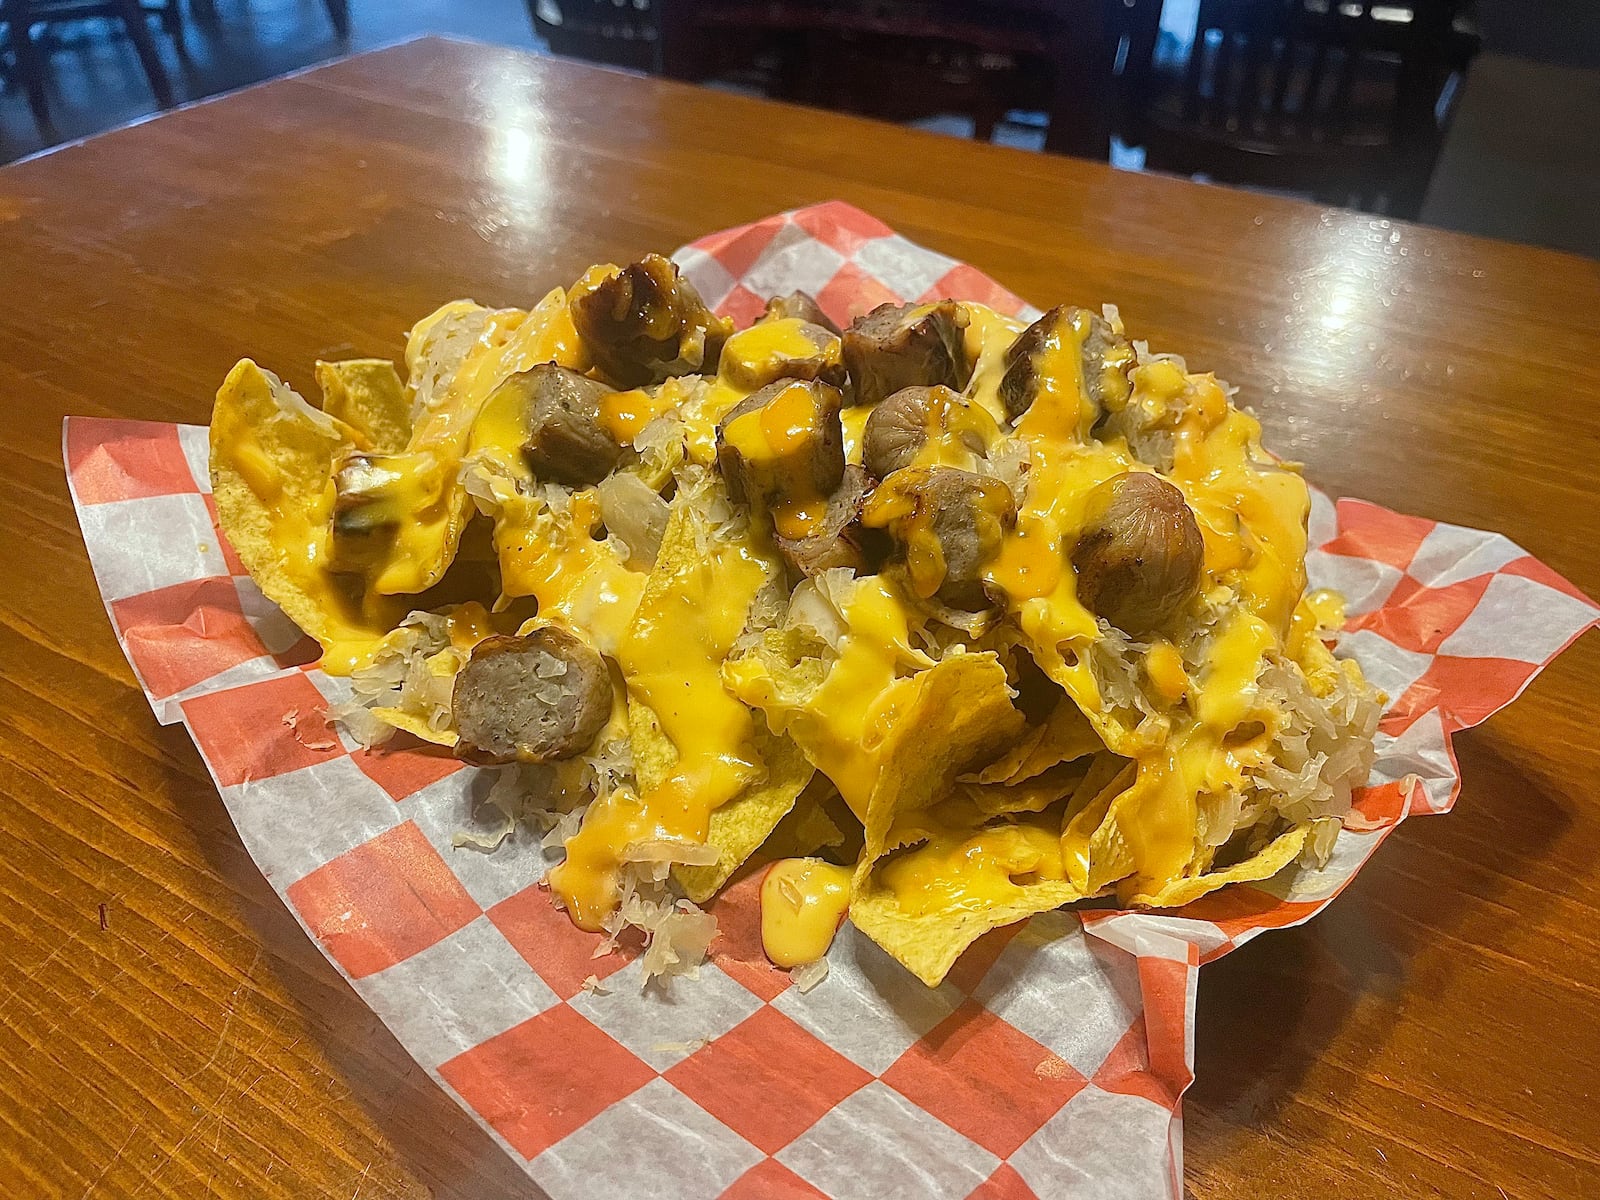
1052, 1060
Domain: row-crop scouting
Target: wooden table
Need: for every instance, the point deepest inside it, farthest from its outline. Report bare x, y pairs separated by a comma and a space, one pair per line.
166, 1029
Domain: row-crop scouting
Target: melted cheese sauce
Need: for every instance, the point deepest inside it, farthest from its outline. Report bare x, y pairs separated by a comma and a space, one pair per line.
749, 355
803, 901
674, 656
842, 725
773, 441
672, 659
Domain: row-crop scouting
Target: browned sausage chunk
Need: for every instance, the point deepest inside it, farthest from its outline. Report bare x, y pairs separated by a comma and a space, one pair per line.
646, 323
802, 305
1140, 553
837, 540
899, 427
530, 699
815, 354
907, 345
559, 410
782, 448
1104, 356
950, 523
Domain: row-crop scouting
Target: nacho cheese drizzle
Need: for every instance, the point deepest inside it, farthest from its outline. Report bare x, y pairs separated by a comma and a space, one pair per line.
803, 900
672, 660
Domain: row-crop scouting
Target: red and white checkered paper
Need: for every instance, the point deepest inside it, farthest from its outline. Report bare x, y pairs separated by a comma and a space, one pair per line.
1050, 1063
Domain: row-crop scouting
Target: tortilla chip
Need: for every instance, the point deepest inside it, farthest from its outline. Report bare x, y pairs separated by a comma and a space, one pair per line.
960, 708
1085, 833
416, 726
925, 926
739, 826
437, 346
1263, 864
367, 395
928, 945
809, 827
271, 474
1063, 736
1030, 795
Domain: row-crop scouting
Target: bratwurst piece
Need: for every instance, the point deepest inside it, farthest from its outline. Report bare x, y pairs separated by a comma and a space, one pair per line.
783, 349
1033, 361
907, 345
646, 323
837, 540
367, 510
782, 449
1140, 553
531, 699
897, 429
557, 412
950, 522
802, 305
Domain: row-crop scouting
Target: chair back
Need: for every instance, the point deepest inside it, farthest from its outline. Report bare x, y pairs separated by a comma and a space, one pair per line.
623, 33
1280, 74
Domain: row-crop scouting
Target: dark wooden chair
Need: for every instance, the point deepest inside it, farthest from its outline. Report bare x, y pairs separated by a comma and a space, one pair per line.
338, 13
906, 58
625, 33
1342, 99
22, 17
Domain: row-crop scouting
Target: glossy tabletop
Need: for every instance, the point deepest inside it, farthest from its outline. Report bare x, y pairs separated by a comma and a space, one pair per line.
166, 1030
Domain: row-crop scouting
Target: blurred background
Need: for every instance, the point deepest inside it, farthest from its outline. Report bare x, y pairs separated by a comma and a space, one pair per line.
1476, 115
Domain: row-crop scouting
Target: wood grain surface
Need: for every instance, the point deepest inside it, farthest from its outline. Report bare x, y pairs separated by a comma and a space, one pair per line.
166, 1030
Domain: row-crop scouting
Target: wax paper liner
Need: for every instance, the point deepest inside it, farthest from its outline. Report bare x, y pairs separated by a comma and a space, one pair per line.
1051, 1062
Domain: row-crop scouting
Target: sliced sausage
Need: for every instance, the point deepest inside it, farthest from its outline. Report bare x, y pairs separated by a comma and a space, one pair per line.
907, 345
558, 411
806, 351
1104, 356
950, 523
783, 445
802, 305
532, 699
646, 323
899, 427
1140, 554
839, 539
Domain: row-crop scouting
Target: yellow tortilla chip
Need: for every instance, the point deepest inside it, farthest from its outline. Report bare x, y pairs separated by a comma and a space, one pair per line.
738, 826
1030, 795
1088, 853
928, 902
367, 395
960, 707
455, 359
416, 726
1263, 864
1063, 736
271, 464
809, 827
928, 945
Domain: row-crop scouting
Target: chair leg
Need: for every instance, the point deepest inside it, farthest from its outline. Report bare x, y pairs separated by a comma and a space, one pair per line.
30, 65
139, 33
339, 14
